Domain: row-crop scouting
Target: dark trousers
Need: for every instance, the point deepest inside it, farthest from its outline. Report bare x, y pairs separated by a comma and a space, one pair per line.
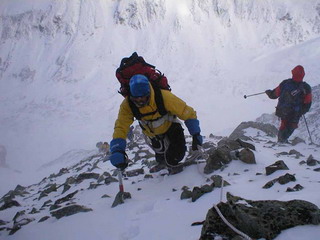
286, 129
171, 146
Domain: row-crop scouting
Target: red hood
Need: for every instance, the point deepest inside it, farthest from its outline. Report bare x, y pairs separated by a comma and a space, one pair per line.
298, 73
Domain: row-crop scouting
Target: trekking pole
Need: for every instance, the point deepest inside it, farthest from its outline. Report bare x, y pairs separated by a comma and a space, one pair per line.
307, 128
245, 96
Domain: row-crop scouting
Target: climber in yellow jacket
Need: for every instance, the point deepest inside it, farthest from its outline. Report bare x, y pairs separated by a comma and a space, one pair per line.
159, 123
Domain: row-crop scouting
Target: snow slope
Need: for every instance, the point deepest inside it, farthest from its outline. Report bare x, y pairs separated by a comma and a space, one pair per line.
155, 210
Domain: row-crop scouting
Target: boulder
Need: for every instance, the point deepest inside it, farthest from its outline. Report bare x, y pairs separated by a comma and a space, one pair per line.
263, 219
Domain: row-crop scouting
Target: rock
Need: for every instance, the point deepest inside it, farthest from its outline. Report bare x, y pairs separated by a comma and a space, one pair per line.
295, 152
66, 187
247, 156
135, 172
186, 194
230, 143
69, 210
51, 188
84, 176
311, 161
217, 181
109, 180
278, 165
19, 220
217, 159
8, 204
296, 188
105, 196
297, 140
239, 132
286, 178
43, 219
66, 198
258, 219
197, 192
246, 144
282, 180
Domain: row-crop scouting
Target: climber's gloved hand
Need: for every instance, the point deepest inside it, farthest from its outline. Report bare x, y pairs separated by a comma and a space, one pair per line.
269, 93
196, 141
118, 157
119, 160
193, 126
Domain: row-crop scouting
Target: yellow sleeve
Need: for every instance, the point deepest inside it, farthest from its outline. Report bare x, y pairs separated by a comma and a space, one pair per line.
124, 121
177, 106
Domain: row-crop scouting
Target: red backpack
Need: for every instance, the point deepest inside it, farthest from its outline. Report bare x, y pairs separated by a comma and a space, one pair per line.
135, 64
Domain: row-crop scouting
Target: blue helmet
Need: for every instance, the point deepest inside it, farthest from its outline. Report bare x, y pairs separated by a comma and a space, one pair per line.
139, 86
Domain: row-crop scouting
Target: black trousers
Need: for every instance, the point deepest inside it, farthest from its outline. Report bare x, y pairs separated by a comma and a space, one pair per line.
171, 146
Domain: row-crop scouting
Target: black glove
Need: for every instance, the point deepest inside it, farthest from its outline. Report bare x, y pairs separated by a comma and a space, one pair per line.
196, 141
269, 93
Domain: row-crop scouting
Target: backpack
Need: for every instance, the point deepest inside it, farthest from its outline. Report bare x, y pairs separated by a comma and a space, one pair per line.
291, 99
133, 65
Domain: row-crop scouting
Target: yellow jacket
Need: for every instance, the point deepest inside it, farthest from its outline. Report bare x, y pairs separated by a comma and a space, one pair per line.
173, 105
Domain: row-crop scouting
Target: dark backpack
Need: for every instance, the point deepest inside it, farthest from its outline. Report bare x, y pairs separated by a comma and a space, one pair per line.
291, 99
133, 65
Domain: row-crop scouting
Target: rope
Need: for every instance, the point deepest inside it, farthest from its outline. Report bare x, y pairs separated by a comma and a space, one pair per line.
225, 220
230, 225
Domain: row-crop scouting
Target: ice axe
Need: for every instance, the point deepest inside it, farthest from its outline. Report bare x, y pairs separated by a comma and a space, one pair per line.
246, 96
121, 195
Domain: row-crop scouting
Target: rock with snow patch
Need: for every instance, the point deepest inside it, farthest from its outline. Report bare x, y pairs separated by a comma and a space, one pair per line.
66, 198
219, 158
20, 219
9, 204
18, 191
239, 132
296, 188
278, 165
258, 219
217, 181
282, 180
135, 172
295, 152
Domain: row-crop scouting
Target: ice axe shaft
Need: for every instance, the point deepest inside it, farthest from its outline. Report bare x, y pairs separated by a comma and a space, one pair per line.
246, 96
121, 195
121, 188
307, 128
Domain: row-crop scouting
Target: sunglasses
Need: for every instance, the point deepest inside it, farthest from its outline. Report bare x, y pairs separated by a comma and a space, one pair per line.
140, 101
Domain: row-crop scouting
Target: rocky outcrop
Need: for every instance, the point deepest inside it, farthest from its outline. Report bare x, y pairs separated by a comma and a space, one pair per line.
258, 219
228, 150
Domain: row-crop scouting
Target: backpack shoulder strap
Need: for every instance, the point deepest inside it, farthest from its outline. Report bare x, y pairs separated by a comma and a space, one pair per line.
159, 100
135, 110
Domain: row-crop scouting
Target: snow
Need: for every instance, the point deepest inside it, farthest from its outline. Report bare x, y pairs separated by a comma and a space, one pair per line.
58, 93
155, 210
